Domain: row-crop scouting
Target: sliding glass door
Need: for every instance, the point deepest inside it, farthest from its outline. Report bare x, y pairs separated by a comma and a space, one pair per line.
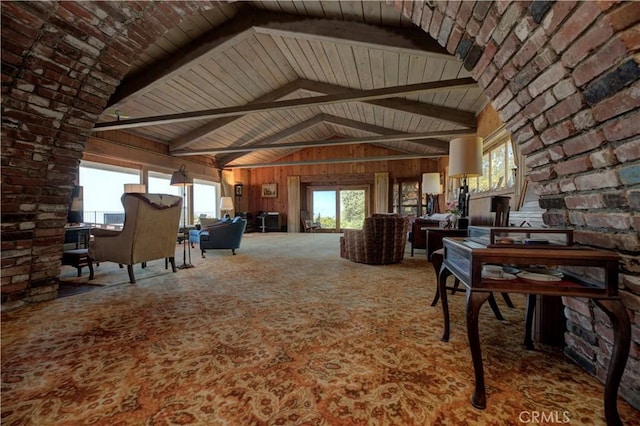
339, 208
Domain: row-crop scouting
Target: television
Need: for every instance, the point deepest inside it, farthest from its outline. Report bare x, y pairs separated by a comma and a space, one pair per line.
76, 210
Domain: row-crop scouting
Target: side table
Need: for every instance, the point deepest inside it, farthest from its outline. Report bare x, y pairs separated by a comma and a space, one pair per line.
78, 258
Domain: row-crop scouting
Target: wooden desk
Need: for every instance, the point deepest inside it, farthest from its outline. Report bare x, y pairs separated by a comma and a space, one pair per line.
465, 261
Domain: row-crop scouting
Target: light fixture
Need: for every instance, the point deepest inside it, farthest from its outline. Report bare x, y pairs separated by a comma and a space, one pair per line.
182, 178
135, 188
226, 204
431, 186
465, 161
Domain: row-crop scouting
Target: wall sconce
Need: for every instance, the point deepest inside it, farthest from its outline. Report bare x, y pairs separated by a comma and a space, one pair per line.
432, 187
465, 161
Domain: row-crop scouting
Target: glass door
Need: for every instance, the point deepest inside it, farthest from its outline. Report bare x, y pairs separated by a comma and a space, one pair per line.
337, 209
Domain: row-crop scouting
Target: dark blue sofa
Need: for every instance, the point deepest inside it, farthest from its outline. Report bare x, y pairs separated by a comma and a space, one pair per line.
225, 234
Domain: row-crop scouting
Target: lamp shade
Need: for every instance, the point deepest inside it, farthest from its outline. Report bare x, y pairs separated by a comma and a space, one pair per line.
181, 177
226, 203
465, 157
431, 183
135, 188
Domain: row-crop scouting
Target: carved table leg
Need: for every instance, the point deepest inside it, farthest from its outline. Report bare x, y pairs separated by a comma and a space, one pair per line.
528, 323
475, 299
622, 339
442, 290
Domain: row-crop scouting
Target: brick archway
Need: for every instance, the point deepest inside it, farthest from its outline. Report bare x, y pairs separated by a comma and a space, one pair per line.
563, 76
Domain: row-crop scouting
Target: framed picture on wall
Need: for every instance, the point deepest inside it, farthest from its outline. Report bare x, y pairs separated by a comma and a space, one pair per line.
269, 190
238, 189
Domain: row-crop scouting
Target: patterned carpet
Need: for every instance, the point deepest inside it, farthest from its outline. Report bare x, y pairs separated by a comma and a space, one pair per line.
284, 333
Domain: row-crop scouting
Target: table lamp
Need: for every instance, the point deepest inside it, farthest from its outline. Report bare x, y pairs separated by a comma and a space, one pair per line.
226, 204
465, 161
431, 186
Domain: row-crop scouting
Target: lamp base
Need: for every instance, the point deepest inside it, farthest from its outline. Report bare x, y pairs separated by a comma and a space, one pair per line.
186, 266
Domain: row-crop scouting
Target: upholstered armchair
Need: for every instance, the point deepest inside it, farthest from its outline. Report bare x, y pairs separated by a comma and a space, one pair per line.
149, 232
225, 234
381, 240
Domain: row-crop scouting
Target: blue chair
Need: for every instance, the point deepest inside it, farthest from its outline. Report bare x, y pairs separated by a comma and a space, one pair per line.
226, 234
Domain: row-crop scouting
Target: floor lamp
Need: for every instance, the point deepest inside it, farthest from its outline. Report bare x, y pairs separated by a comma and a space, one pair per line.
431, 186
182, 178
465, 161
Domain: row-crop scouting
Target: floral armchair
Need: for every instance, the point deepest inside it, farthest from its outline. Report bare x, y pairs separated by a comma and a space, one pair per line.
381, 240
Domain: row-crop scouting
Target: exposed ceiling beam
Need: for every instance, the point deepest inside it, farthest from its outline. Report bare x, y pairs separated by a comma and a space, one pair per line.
409, 41
346, 96
451, 115
312, 143
331, 161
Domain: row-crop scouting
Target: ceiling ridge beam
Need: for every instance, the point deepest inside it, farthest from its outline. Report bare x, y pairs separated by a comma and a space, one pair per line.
323, 142
408, 41
347, 96
332, 161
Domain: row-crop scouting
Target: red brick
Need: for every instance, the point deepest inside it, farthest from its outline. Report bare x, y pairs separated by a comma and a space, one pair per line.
580, 19
564, 109
484, 61
595, 37
530, 48
557, 133
573, 166
622, 128
540, 104
507, 49
584, 202
427, 14
620, 221
603, 179
630, 151
454, 39
605, 58
547, 79
436, 21
583, 143
624, 16
621, 102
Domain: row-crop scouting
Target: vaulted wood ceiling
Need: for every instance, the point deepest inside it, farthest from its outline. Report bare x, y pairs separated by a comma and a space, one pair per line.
251, 82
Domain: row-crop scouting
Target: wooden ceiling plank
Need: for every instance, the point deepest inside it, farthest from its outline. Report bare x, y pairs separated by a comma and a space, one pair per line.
215, 41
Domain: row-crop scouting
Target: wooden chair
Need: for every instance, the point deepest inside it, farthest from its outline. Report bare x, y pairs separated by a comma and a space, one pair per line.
307, 224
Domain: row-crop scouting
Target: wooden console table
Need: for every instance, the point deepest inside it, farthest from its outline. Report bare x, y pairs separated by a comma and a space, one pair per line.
465, 259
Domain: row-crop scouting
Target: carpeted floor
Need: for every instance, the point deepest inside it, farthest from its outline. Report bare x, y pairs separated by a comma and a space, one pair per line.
285, 332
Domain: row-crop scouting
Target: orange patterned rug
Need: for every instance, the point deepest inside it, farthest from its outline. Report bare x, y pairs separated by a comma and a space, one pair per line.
284, 333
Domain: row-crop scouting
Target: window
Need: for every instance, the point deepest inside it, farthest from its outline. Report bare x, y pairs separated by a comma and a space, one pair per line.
498, 164
101, 202
340, 208
205, 199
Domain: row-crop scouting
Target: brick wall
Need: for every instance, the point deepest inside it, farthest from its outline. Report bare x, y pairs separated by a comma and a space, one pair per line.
564, 77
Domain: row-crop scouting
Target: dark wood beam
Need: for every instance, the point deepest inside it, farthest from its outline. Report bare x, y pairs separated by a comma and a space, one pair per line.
331, 161
346, 96
313, 143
